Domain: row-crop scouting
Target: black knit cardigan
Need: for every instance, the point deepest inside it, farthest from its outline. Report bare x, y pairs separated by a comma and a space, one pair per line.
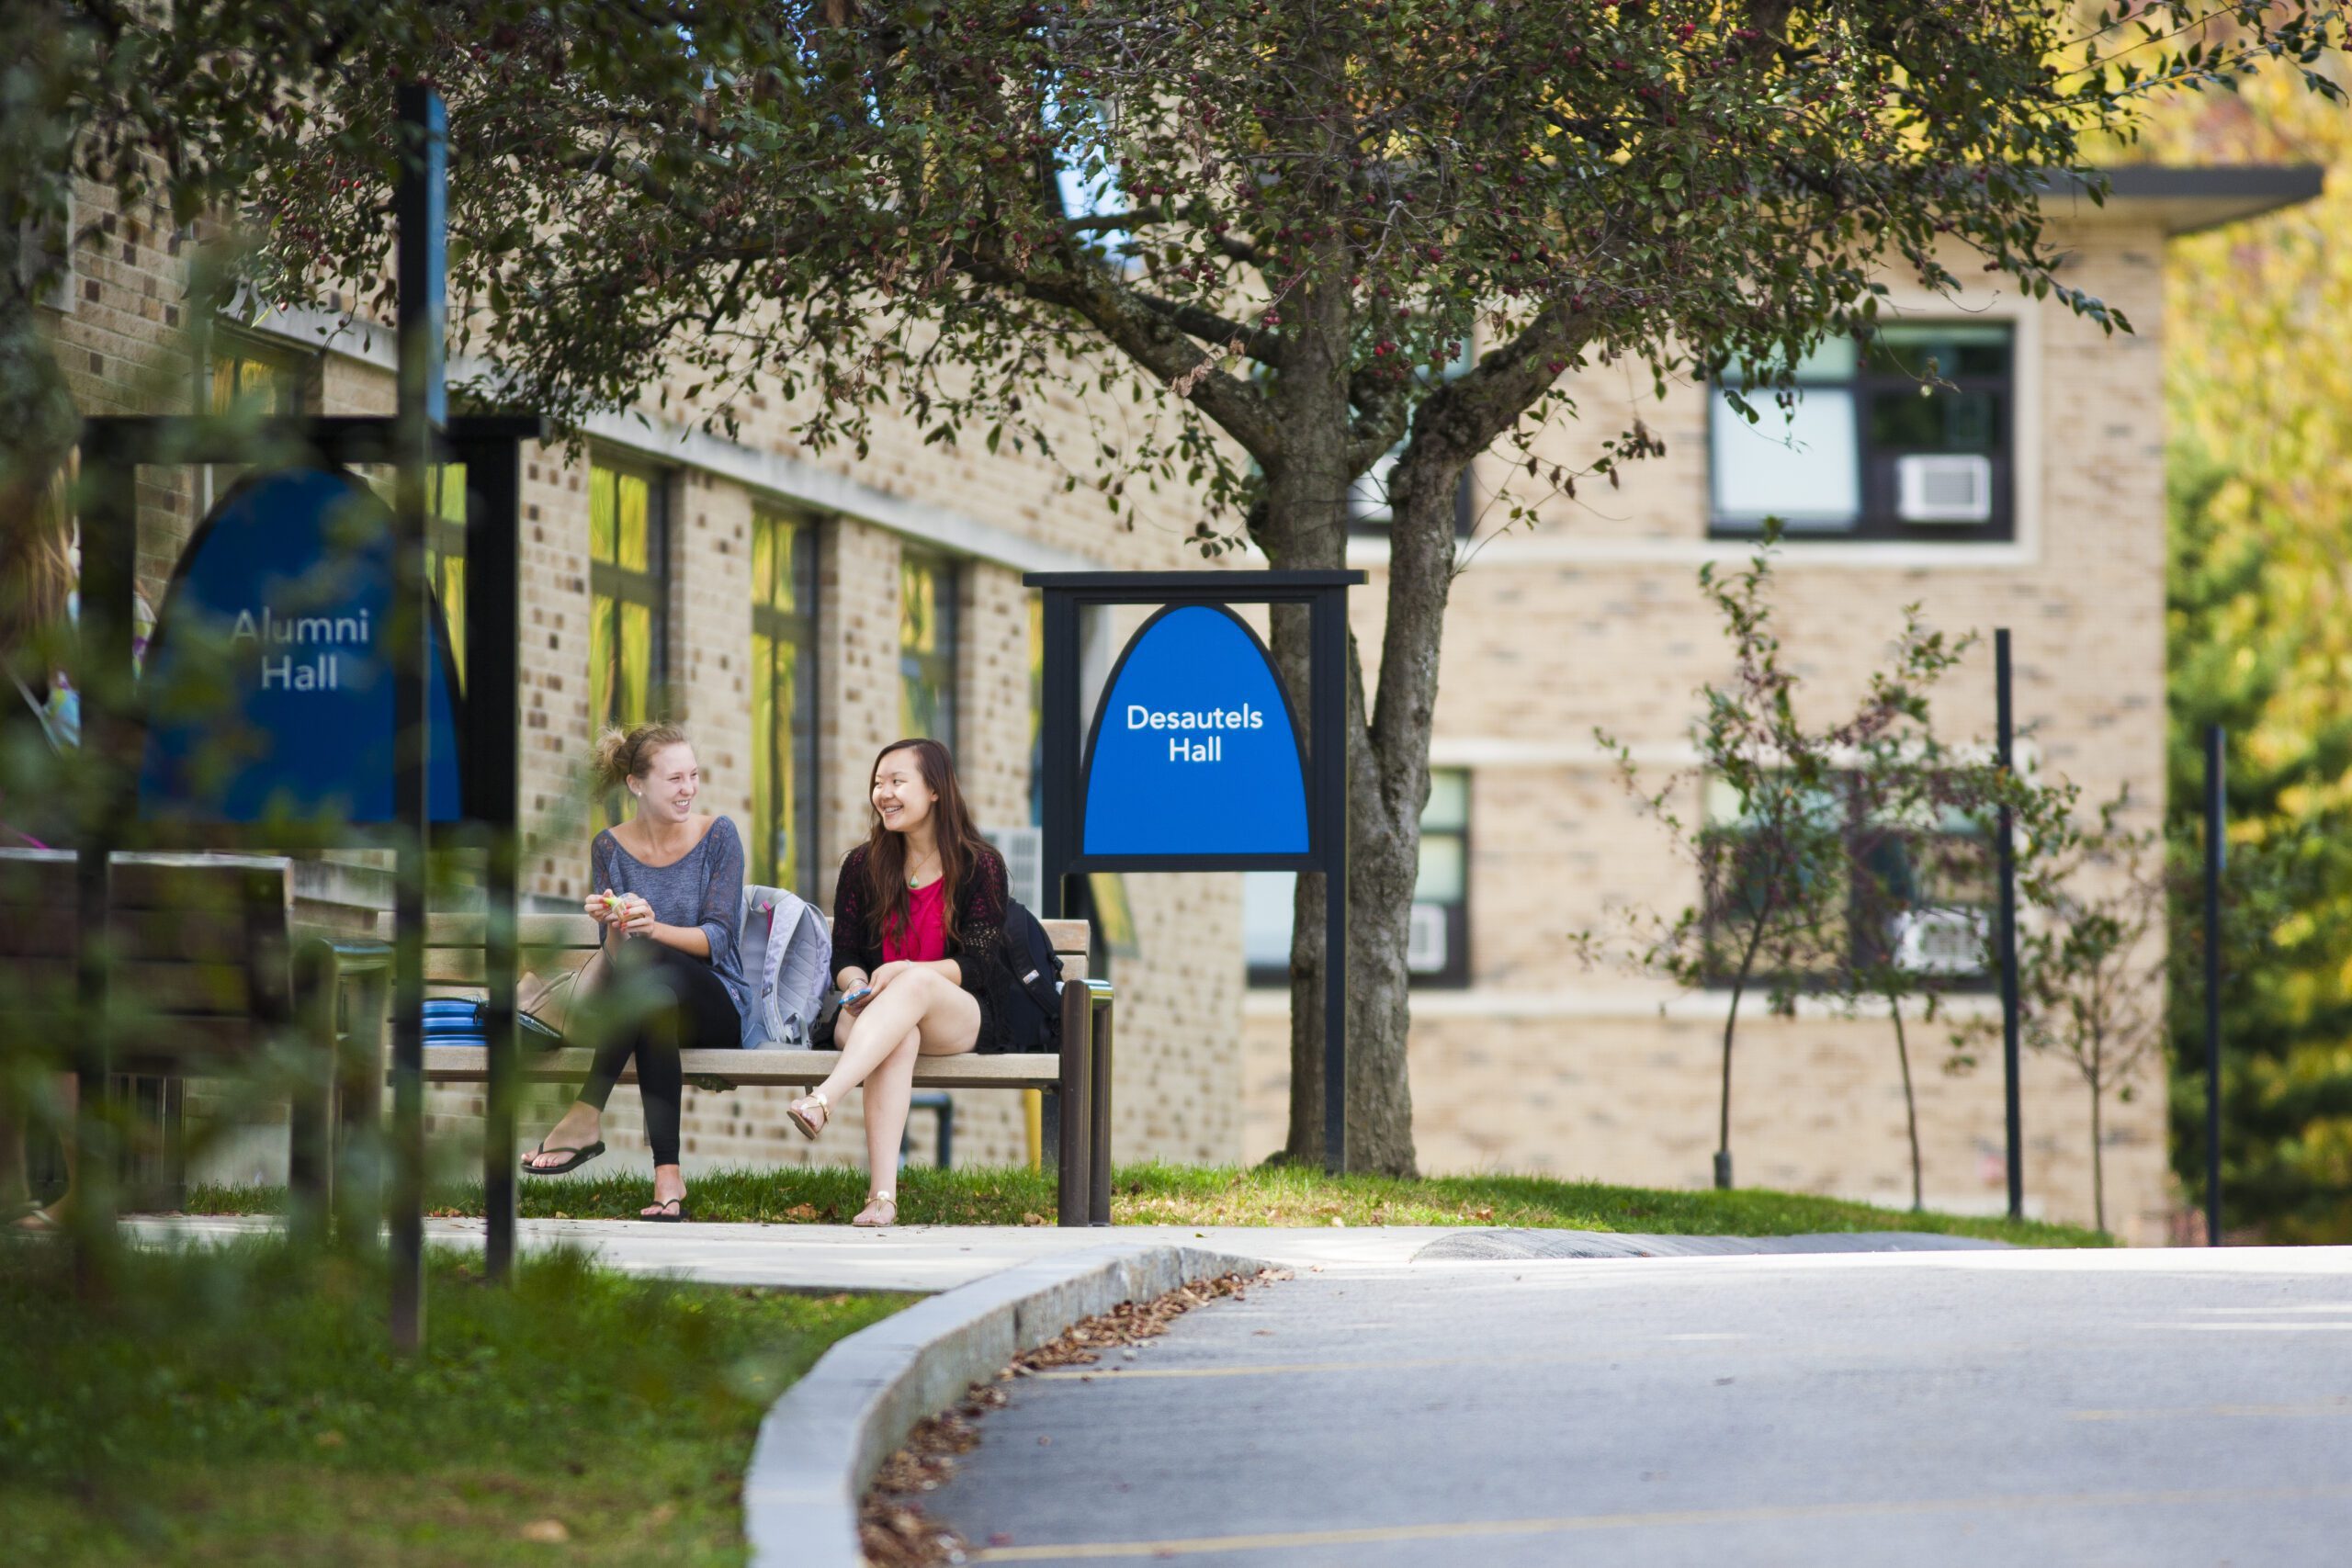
979, 933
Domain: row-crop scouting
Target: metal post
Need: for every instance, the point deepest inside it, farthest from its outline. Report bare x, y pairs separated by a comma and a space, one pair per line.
1329, 658
422, 410
494, 618
2008, 867
102, 674
1073, 1189
1059, 745
2216, 850
1097, 1085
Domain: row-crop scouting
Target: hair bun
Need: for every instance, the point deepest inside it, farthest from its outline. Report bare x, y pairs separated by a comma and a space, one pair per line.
620, 755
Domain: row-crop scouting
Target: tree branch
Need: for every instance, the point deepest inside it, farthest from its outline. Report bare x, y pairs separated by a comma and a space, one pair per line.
1147, 338
1260, 345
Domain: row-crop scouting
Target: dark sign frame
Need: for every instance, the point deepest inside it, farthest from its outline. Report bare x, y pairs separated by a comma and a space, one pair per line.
418, 435
1066, 764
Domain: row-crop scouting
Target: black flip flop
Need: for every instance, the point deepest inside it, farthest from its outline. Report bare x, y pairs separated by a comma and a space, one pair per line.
579, 1157
677, 1207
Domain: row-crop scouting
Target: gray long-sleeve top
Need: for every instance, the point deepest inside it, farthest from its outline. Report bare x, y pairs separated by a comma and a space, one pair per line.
704, 887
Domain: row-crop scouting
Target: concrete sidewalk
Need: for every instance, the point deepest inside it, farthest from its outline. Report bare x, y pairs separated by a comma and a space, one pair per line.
930, 1258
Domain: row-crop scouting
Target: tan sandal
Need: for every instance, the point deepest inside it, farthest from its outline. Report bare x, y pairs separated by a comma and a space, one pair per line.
798, 1113
887, 1199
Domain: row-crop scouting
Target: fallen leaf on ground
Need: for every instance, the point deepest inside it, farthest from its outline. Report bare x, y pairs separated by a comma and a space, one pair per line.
1033, 1219
546, 1532
801, 1212
895, 1533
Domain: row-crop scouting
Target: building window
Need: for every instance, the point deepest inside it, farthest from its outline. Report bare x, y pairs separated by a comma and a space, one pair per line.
627, 545
1902, 434
1437, 948
444, 546
1036, 710
255, 377
1920, 895
783, 699
927, 600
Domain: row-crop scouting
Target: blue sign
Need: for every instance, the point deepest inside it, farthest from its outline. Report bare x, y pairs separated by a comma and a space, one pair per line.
269, 685
1195, 751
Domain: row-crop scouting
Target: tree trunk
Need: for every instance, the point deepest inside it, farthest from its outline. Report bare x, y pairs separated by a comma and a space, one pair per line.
1731, 1022
1910, 1101
1305, 528
2098, 1157
1387, 761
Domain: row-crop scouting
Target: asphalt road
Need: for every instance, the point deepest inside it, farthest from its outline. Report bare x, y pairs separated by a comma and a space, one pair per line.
1963, 1408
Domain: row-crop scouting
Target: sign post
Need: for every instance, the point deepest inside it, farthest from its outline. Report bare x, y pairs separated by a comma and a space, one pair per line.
1195, 760
423, 411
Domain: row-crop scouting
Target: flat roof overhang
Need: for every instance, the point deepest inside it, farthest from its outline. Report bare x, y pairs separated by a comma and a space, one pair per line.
2188, 200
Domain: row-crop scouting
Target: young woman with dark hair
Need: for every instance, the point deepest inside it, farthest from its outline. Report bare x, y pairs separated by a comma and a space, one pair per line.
918, 917
667, 887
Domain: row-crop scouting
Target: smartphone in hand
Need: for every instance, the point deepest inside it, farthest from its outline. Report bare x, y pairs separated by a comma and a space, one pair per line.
857, 996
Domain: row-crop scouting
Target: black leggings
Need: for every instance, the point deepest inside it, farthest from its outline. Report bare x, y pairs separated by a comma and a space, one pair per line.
699, 1014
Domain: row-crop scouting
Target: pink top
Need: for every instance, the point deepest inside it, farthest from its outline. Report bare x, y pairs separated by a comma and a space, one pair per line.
925, 938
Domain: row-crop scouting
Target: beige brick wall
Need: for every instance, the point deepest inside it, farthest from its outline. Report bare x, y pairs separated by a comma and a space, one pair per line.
1592, 618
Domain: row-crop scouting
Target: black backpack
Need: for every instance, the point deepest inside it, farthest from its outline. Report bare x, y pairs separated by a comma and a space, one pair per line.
1028, 983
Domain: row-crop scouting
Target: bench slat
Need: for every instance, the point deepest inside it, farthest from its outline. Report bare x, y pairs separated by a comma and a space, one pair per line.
470, 1064
456, 967
139, 935
148, 882
215, 988
577, 930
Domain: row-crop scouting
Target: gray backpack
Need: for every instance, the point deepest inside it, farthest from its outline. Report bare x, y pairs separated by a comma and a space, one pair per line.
785, 949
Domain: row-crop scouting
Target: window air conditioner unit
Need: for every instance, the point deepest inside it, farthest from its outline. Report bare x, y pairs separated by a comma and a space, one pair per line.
1425, 943
1024, 850
1944, 488
1941, 941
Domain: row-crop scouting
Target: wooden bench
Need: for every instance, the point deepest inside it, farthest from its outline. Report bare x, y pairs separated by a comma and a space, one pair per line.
1080, 1073
208, 979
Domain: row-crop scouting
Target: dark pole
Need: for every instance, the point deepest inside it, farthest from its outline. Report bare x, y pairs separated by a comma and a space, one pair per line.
2008, 859
421, 412
1059, 741
493, 505
1328, 660
102, 673
2216, 848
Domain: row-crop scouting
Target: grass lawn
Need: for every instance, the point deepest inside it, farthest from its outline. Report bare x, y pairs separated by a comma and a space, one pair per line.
1211, 1195
242, 1407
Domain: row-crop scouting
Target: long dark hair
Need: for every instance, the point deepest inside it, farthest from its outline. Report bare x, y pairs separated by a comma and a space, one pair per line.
960, 844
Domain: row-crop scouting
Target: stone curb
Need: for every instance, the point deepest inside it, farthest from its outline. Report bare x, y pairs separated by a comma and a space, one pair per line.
823, 1441
1524, 1244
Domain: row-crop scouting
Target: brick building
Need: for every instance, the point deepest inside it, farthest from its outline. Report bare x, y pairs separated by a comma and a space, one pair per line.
796, 611
1521, 1059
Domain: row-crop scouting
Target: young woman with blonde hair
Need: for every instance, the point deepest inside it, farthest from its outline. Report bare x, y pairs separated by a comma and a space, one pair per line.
918, 917
667, 888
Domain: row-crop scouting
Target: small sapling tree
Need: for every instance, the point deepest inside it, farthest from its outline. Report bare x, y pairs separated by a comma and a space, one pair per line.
1770, 850
2090, 966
